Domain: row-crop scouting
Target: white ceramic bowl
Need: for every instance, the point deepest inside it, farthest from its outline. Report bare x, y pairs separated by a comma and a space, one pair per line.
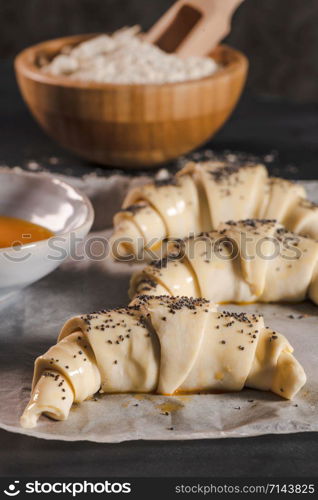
49, 202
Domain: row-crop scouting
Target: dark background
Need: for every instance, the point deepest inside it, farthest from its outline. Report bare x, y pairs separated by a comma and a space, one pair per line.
280, 37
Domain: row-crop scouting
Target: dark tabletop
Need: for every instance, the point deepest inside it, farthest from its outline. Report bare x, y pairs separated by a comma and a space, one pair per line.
284, 135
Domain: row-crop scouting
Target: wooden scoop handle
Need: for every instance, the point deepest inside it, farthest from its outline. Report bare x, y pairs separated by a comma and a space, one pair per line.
193, 27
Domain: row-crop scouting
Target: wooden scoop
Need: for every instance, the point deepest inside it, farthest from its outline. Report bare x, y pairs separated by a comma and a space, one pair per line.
193, 27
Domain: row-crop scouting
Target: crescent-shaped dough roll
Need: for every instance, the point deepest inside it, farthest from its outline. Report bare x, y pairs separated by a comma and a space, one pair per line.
163, 345
199, 198
245, 261
52, 395
303, 219
138, 226
229, 190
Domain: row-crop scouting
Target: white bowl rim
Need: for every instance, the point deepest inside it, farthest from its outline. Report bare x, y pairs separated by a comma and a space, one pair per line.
51, 178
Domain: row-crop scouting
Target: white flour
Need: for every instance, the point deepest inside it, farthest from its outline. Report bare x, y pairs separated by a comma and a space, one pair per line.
124, 58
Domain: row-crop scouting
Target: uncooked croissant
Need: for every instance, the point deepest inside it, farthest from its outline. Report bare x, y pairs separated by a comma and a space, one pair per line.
243, 262
200, 197
160, 345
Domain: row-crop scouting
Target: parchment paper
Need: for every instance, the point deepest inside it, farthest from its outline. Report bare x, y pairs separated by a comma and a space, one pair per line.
30, 322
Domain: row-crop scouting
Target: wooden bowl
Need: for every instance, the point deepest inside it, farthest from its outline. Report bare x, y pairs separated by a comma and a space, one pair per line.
129, 125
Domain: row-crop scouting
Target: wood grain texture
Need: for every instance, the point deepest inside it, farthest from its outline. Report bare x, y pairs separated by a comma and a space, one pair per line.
129, 125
